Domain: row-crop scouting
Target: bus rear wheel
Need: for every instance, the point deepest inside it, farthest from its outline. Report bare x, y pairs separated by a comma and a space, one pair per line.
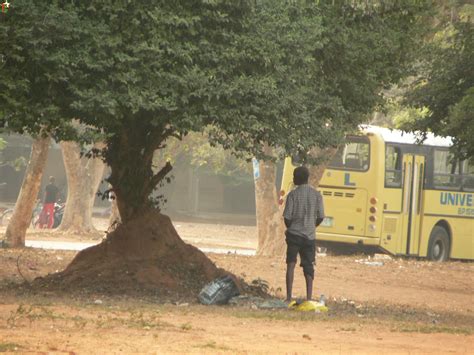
438, 246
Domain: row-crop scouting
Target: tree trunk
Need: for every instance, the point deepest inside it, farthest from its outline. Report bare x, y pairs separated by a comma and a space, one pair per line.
83, 177
132, 177
269, 220
114, 219
270, 226
21, 218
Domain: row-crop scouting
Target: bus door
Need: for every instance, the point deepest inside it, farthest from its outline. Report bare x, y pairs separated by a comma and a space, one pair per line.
412, 204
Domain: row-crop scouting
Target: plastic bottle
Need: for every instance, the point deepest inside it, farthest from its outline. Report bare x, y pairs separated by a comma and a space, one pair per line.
322, 300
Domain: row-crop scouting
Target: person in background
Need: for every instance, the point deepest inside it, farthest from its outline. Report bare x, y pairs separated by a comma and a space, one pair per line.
51, 193
304, 211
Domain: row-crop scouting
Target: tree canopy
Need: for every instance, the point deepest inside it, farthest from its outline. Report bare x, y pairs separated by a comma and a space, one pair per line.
292, 75
443, 92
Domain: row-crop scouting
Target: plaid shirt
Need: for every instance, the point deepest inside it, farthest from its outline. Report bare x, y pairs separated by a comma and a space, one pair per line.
303, 206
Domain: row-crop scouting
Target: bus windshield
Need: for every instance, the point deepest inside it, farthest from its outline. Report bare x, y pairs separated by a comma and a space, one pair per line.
353, 155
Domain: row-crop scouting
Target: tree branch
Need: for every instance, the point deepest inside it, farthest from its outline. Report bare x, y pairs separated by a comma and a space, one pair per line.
160, 175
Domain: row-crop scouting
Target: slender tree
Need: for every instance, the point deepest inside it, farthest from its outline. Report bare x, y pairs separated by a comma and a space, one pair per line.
83, 177
21, 219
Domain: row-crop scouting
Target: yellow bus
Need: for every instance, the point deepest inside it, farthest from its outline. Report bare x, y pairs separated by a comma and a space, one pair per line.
381, 189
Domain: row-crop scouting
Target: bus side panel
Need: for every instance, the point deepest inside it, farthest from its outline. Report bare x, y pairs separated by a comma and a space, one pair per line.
452, 208
391, 221
463, 243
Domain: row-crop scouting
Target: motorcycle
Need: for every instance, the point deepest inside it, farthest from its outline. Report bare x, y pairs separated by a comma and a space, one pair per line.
37, 218
41, 219
58, 213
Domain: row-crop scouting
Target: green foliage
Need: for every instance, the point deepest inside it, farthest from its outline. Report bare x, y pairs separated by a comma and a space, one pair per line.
35, 65
446, 85
17, 164
406, 115
323, 70
196, 150
289, 74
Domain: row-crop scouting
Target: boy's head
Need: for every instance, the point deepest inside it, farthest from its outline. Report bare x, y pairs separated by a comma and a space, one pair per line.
300, 175
52, 180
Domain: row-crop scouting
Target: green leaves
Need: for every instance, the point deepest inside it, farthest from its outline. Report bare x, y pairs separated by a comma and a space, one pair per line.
445, 87
290, 75
310, 73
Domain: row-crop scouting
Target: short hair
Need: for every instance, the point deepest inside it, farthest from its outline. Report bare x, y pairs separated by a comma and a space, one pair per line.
300, 175
52, 179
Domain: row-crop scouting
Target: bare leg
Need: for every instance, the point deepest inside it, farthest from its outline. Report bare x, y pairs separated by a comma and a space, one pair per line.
290, 273
309, 287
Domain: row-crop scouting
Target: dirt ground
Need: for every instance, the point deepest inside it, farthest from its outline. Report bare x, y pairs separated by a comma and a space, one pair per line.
396, 306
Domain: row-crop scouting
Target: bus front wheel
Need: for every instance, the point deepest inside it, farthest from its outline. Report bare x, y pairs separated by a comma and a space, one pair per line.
438, 246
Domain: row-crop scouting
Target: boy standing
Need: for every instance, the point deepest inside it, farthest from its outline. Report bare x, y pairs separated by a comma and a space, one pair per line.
304, 211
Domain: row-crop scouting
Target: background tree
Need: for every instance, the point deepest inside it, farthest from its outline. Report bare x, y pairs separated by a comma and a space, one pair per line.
17, 163
30, 188
443, 92
84, 175
288, 75
195, 149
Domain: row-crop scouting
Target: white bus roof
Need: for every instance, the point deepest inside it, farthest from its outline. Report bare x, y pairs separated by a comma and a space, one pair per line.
398, 136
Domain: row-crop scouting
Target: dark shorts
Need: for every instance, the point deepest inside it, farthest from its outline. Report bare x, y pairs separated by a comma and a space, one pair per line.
303, 246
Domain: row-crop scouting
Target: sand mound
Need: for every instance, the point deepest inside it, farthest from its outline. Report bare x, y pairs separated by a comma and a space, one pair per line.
144, 256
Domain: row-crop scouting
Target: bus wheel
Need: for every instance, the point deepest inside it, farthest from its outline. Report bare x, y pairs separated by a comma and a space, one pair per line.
438, 246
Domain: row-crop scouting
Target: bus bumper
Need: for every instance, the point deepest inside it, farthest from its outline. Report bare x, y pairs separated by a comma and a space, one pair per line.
350, 239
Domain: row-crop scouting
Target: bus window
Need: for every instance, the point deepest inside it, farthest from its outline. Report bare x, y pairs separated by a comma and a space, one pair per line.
393, 167
446, 170
354, 155
468, 175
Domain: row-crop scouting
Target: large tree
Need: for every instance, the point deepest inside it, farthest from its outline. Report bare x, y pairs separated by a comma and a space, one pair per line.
287, 75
